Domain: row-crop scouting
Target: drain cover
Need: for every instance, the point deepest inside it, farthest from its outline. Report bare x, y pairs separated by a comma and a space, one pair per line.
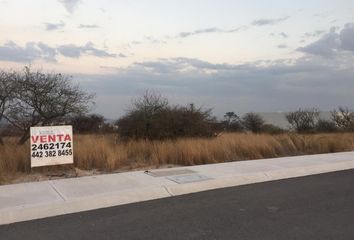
188, 178
165, 173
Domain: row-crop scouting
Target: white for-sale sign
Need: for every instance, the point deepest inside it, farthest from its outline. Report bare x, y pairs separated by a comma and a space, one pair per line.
51, 146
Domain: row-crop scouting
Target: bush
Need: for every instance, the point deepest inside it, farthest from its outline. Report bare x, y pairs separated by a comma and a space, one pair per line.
303, 120
232, 123
151, 117
253, 122
343, 119
326, 126
272, 129
93, 123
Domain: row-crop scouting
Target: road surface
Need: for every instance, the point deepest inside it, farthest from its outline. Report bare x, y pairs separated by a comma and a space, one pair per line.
313, 207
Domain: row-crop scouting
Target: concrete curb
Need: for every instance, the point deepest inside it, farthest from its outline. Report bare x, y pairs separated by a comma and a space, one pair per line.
60, 202
20, 213
232, 181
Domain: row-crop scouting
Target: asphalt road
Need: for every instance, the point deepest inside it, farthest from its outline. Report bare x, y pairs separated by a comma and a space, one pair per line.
314, 207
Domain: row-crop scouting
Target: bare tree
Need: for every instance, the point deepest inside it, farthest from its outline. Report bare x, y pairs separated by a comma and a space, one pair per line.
145, 109
303, 120
230, 117
150, 102
44, 99
343, 119
6, 94
253, 122
232, 122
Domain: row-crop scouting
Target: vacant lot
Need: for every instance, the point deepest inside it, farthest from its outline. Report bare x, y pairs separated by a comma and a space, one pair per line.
107, 153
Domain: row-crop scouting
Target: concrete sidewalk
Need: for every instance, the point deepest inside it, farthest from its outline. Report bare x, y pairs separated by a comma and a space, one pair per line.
27, 201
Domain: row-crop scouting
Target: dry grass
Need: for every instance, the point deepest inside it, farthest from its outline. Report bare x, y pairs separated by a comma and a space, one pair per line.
107, 153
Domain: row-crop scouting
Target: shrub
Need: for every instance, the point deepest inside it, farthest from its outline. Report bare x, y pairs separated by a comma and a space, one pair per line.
253, 122
232, 122
343, 119
326, 126
303, 120
93, 123
272, 129
151, 117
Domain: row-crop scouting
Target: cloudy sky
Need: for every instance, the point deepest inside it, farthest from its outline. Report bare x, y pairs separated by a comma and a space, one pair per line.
231, 55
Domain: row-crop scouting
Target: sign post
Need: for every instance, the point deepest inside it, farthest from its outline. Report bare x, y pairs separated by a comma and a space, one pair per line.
52, 145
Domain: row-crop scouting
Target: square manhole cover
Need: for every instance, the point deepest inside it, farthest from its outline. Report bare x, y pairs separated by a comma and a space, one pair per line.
188, 178
165, 173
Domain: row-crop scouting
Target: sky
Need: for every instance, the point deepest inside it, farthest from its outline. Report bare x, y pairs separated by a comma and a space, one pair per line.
229, 55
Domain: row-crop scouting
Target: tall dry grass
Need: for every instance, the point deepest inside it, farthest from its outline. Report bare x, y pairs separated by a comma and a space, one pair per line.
107, 153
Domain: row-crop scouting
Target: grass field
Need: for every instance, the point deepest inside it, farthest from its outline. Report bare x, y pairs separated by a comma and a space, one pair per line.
106, 153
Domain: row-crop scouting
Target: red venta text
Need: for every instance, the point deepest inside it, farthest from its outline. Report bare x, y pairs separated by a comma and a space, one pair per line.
51, 138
